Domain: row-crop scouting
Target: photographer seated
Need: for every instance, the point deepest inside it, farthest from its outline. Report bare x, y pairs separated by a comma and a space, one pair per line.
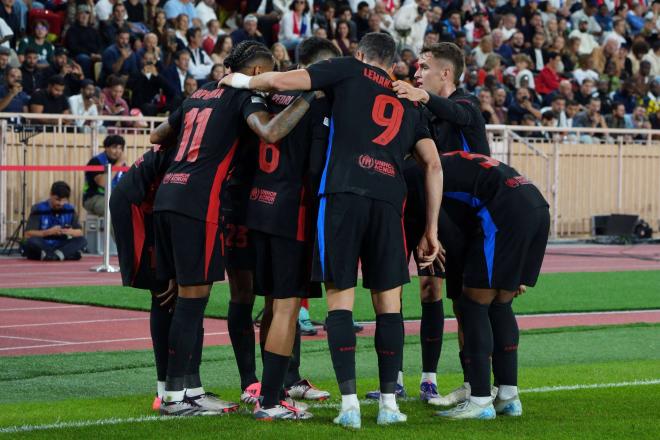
53, 232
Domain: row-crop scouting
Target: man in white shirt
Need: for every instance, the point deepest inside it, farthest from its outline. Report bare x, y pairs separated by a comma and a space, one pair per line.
200, 63
587, 41
410, 24
508, 26
84, 104
587, 14
618, 32
558, 106
206, 11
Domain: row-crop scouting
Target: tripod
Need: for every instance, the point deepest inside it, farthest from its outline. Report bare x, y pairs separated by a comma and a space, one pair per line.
25, 133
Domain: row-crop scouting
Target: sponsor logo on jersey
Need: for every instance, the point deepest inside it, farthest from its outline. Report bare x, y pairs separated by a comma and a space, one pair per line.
178, 178
263, 195
380, 166
366, 161
515, 182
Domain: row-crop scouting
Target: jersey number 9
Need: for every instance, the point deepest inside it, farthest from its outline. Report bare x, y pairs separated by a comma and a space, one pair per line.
392, 123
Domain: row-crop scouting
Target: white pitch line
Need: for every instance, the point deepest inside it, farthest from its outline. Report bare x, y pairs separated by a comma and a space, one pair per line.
22, 309
117, 421
106, 341
32, 339
91, 321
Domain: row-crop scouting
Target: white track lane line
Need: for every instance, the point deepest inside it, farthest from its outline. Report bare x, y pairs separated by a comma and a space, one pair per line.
25, 309
91, 321
33, 339
118, 420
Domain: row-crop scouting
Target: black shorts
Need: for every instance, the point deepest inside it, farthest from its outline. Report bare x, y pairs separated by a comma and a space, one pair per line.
239, 250
352, 228
283, 267
453, 238
510, 248
134, 236
187, 249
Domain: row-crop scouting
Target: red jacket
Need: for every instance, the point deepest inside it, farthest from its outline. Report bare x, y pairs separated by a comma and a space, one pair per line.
547, 81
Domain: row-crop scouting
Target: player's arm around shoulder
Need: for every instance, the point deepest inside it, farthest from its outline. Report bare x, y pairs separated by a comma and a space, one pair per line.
272, 128
270, 81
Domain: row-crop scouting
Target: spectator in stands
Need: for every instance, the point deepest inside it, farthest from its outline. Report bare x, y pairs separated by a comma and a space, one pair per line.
146, 86
591, 118
85, 104
325, 19
62, 65
346, 14
585, 92
537, 53
503, 50
53, 232
482, 51
181, 25
112, 101
626, 95
217, 72
150, 45
635, 18
94, 188
508, 26
83, 41
51, 101
653, 57
492, 66
200, 63
221, 49
587, 41
410, 23
206, 11
159, 27
174, 8
103, 9
639, 118
116, 24
548, 79
522, 106
281, 55
603, 93
295, 25
9, 13
486, 105
176, 75
135, 11
189, 87
453, 25
342, 38
38, 42
500, 101
361, 19
32, 75
586, 70
4, 64
639, 49
12, 97
213, 32
119, 59
617, 119
249, 31
557, 107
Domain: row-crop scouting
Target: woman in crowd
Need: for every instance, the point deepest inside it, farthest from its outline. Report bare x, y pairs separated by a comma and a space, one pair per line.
295, 25
281, 55
221, 49
342, 38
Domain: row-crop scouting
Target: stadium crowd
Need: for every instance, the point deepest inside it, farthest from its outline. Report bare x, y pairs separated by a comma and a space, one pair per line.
565, 63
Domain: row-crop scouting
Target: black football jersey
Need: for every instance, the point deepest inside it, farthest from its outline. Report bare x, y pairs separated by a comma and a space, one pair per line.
371, 130
479, 180
280, 201
210, 124
140, 182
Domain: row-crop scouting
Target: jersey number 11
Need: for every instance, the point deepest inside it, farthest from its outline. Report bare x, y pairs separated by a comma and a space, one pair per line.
197, 120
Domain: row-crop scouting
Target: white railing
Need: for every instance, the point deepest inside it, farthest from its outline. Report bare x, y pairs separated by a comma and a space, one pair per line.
578, 180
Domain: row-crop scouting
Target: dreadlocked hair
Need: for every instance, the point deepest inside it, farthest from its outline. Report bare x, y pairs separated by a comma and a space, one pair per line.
245, 52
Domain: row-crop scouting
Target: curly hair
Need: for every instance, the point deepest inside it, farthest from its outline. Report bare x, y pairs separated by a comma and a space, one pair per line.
245, 53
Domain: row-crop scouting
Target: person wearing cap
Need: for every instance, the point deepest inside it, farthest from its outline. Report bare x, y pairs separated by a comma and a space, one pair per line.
175, 7
249, 31
38, 42
62, 65
85, 104
587, 41
83, 41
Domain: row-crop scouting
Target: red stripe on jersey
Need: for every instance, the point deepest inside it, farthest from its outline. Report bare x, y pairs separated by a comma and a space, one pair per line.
403, 227
137, 220
213, 211
301, 232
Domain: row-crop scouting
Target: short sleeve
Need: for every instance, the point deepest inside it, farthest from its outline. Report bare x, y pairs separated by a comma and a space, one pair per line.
422, 128
251, 103
38, 98
33, 223
75, 223
91, 174
175, 119
326, 74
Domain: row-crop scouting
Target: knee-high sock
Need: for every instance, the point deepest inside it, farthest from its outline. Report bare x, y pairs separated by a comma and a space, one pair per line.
478, 345
430, 334
293, 373
342, 342
241, 333
275, 368
192, 378
389, 347
182, 338
160, 319
505, 343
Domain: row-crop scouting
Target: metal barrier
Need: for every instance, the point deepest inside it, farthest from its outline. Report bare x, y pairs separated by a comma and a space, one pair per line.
578, 180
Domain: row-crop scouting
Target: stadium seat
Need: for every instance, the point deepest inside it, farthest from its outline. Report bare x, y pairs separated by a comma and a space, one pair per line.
55, 19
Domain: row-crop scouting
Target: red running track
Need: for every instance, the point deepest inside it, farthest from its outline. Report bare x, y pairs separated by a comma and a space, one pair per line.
39, 327
20, 273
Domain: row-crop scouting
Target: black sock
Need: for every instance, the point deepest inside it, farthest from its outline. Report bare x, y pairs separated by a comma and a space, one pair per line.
241, 333
461, 358
342, 342
389, 346
505, 343
160, 319
478, 345
182, 338
192, 378
293, 373
275, 367
430, 334
403, 334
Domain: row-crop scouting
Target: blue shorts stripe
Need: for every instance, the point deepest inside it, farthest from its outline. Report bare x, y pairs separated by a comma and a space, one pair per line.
490, 231
320, 232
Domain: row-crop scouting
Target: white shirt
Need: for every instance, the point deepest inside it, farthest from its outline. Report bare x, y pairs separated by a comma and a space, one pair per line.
587, 41
77, 106
654, 59
538, 59
103, 10
200, 64
5, 31
182, 77
580, 75
507, 33
405, 19
205, 13
286, 27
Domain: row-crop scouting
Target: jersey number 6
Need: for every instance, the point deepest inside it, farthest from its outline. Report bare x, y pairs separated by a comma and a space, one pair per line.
392, 123
193, 118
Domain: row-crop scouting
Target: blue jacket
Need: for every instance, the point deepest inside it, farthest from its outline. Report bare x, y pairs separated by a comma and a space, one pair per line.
43, 217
